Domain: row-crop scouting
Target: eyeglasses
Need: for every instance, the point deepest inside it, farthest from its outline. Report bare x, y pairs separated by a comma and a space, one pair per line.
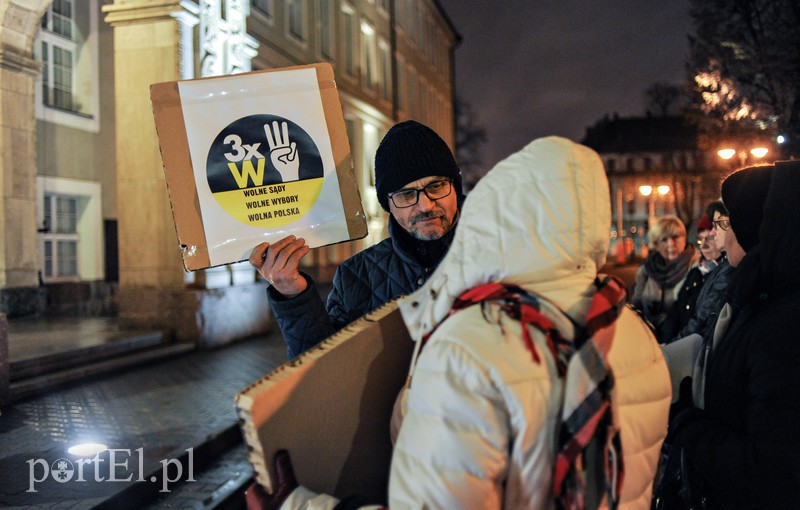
434, 191
722, 224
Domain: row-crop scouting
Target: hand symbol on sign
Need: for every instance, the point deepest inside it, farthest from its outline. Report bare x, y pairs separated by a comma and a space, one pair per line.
283, 153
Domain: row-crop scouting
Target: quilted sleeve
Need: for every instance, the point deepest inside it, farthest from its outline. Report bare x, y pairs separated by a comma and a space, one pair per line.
303, 319
709, 303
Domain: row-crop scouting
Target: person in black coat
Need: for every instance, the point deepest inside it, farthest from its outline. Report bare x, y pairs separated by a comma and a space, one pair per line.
703, 294
741, 438
419, 183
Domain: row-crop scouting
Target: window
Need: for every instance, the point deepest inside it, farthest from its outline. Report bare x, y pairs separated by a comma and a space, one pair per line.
349, 36
368, 65
58, 18
57, 49
325, 28
265, 6
67, 88
386, 71
296, 17
57, 76
70, 225
60, 252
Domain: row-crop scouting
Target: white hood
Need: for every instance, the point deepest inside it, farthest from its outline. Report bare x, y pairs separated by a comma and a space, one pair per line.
539, 219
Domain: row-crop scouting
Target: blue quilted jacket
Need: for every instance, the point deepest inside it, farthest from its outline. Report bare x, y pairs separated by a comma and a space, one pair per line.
362, 283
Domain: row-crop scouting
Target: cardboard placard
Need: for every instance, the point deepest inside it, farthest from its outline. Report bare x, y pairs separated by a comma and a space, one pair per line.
255, 157
331, 409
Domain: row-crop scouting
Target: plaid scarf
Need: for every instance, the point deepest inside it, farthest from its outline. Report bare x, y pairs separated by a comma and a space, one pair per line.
582, 361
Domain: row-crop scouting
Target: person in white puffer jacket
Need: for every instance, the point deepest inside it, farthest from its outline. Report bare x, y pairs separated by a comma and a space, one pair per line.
481, 426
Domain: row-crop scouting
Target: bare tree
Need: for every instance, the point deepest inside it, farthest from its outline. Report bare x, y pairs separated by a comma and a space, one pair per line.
470, 137
746, 67
664, 97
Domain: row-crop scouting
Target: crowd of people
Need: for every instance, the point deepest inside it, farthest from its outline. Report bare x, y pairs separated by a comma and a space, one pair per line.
541, 382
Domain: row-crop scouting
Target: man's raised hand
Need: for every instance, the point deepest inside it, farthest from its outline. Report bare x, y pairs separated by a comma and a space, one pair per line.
278, 264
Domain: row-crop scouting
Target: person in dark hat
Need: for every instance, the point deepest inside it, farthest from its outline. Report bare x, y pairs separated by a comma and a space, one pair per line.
418, 183
741, 440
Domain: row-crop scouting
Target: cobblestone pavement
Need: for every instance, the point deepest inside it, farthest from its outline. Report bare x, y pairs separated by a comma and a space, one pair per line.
149, 417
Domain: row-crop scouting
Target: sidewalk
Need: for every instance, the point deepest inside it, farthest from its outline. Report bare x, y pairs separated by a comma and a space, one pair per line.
150, 417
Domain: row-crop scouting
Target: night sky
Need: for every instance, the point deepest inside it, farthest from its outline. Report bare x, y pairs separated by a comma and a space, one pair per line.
547, 67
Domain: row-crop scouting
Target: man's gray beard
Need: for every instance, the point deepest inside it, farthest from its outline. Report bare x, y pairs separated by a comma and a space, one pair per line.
430, 236
427, 236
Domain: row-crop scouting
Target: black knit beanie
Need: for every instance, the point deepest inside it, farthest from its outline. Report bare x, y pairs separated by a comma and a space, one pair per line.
744, 194
412, 151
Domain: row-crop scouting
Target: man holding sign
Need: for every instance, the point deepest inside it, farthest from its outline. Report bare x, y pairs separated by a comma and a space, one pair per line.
419, 183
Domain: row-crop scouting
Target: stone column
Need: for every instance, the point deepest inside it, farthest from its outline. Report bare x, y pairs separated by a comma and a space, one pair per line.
146, 51
18, 71
153, 293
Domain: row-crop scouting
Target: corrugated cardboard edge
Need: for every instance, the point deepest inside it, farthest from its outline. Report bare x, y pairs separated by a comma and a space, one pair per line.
175, 156
340, 146
245, 399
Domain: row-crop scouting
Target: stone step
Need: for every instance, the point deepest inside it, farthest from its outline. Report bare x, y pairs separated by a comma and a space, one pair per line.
58, 361
22, 388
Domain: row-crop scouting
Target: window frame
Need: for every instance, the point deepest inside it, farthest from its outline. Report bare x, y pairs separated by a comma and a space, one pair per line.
385, 70
326, 34
350, 59
54, 237
369, 59
265, 7
301, 37
84, 113
88, 226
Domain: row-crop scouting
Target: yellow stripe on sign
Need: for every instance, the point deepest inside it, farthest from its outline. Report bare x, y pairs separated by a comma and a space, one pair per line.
273, 205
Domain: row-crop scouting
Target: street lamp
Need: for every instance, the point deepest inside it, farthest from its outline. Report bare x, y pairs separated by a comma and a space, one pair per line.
728, 153
647, 190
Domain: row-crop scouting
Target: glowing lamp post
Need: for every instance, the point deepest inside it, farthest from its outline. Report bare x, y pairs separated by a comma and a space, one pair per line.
757, 153
650, 192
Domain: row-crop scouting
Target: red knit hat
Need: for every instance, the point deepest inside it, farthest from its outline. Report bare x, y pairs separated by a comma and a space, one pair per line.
704, 223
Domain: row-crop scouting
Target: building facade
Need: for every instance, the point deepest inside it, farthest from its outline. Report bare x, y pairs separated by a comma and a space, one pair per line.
659, 165
654, 168
87, 228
